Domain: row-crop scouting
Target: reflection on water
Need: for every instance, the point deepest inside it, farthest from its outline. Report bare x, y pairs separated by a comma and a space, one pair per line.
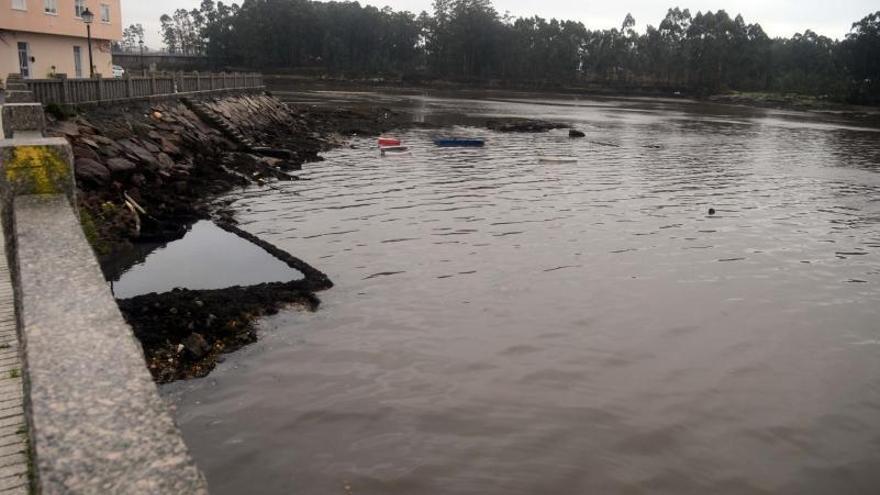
505, 326
208, 257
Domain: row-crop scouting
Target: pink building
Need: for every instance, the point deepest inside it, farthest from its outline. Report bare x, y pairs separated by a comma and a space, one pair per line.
39, 38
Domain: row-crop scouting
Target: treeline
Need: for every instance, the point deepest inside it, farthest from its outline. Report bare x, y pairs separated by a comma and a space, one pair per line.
469, 40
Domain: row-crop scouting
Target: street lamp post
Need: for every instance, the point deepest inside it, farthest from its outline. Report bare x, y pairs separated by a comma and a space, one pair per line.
143, 67
88, 17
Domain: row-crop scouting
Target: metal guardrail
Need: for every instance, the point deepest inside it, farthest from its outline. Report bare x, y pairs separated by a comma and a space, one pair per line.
75, 91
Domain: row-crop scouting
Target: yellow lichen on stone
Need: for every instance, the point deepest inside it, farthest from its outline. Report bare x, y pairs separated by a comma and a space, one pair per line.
37, 170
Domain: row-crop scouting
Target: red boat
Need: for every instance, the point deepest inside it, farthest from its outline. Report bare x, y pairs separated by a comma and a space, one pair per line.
383, 141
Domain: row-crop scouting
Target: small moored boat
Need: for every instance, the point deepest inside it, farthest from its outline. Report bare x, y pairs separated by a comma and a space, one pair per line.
459, 142
386, 141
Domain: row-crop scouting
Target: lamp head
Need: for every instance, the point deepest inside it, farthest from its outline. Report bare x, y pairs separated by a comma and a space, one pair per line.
87, 16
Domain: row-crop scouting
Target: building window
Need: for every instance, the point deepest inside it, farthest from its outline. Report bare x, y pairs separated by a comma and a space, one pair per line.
50, 6
77, 61
79, 6
19, 4
105, 12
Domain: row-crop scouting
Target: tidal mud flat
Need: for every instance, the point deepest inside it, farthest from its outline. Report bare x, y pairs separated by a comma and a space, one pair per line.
146, 172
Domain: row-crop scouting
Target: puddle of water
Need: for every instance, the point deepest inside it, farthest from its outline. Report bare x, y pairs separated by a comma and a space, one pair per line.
208, 257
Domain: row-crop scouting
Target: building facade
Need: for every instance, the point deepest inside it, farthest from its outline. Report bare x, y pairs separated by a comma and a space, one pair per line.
40, 38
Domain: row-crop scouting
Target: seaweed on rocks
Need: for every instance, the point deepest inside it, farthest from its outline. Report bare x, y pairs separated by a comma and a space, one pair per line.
185, 332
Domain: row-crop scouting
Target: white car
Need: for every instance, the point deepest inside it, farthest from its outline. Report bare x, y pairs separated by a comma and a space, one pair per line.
118, 72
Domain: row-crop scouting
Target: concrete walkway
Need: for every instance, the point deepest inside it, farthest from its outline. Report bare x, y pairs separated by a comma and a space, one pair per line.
13, 432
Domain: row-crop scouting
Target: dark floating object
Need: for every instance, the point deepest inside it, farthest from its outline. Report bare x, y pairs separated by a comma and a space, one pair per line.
711, 211
574, 133
520, 125
460, 143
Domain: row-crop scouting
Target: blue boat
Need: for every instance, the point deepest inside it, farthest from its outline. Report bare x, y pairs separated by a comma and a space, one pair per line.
460, 142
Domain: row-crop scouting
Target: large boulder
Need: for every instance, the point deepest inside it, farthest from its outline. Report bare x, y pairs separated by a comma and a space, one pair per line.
152, 148
66, 128
120, 165
91, 171
85, 152
169, 147
138, 152
165, 161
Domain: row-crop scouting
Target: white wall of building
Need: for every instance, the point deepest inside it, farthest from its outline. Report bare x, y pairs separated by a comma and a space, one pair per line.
51, 54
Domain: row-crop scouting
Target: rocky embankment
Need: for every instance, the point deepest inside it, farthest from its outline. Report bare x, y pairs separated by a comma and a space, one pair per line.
147, 171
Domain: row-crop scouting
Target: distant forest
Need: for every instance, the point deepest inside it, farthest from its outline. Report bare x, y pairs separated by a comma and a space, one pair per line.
468, 40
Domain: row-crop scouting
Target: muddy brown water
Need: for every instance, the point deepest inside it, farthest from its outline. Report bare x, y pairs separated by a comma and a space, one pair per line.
502, 325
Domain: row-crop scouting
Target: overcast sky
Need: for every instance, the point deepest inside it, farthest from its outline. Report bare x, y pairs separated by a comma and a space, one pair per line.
778, 17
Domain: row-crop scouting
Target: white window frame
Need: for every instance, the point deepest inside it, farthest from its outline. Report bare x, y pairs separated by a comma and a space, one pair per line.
77, 11
19, 5
105, 9
50, 7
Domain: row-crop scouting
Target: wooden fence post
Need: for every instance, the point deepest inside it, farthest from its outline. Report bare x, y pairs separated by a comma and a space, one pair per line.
100, 80
65, 89
129, 87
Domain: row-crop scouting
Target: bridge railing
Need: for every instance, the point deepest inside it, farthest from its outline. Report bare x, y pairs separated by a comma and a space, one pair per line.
64, 91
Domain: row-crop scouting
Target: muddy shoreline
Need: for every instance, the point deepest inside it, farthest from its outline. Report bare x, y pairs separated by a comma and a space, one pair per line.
776, 101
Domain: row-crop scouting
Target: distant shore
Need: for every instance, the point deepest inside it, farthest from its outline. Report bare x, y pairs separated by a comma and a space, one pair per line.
777, 101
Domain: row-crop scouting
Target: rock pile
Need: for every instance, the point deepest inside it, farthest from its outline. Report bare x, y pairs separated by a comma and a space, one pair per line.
144, 171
